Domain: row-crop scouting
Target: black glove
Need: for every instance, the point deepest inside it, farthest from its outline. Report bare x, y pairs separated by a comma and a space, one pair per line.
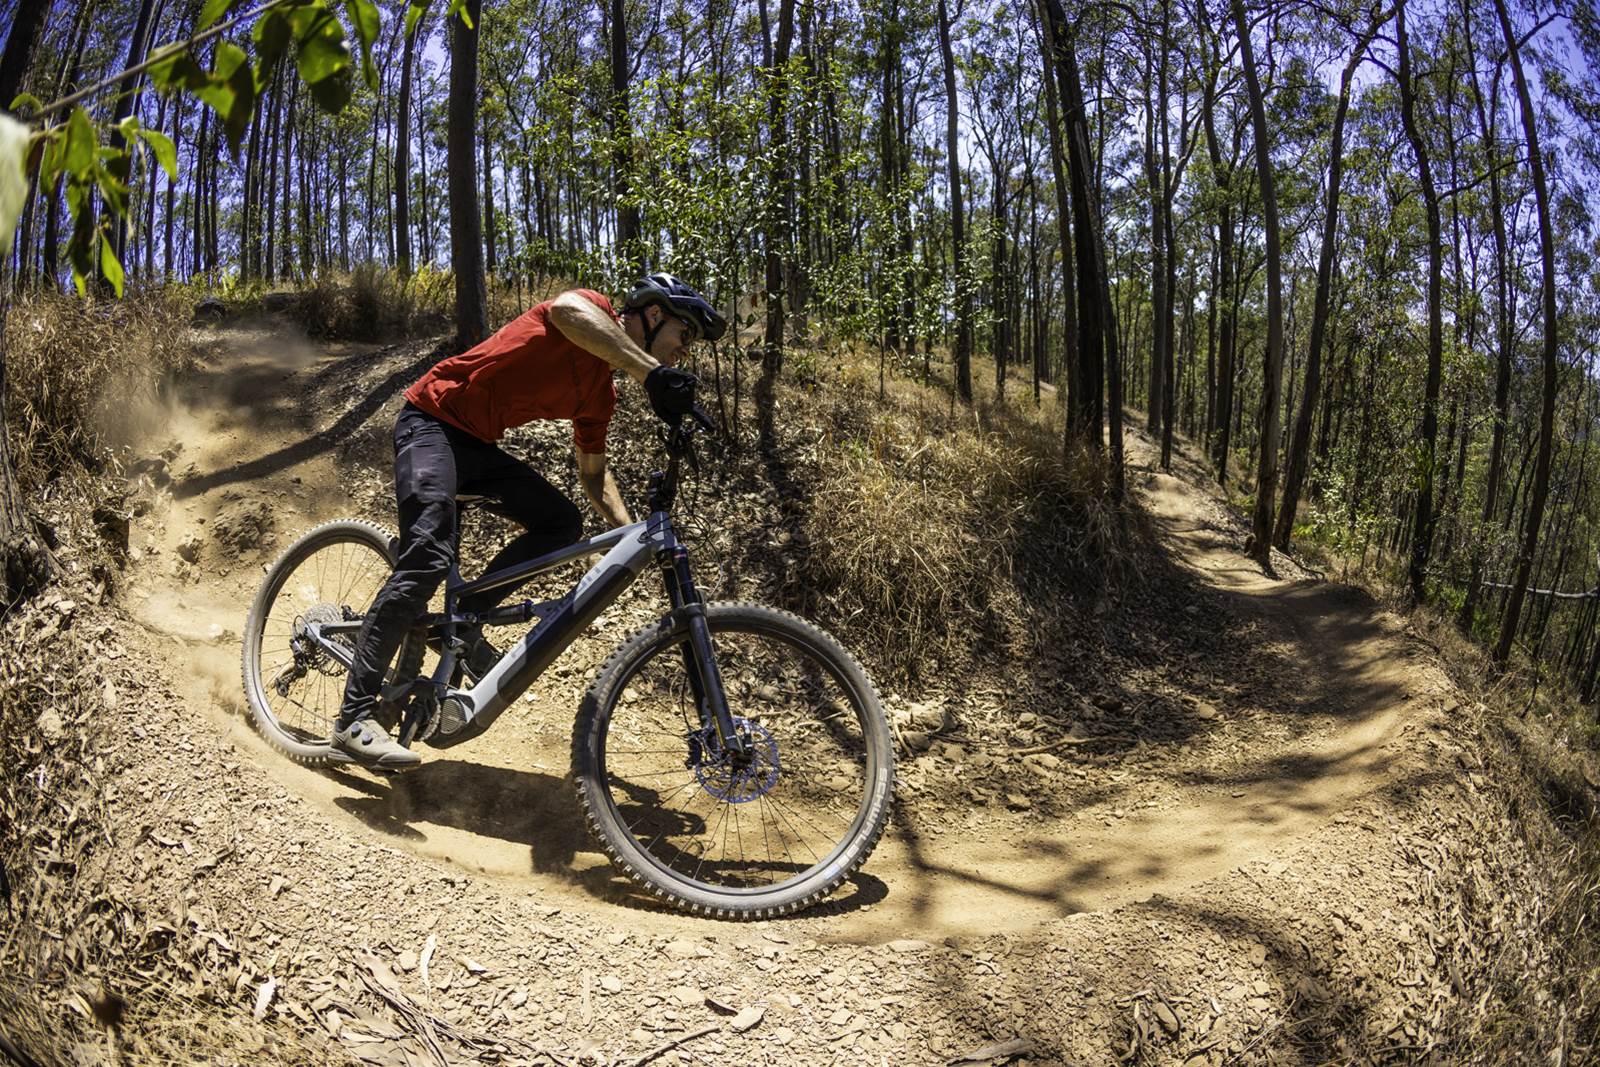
671, 393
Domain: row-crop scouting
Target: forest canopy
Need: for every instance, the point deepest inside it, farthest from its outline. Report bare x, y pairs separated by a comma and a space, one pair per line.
1347, 248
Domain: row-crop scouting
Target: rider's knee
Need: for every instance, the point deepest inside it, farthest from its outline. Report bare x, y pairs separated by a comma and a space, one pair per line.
571, 522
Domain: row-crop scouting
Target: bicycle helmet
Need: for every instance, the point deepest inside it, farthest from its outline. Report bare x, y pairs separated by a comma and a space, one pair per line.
679, 298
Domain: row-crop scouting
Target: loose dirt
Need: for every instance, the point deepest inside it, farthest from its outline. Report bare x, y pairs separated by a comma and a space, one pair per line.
1249, 889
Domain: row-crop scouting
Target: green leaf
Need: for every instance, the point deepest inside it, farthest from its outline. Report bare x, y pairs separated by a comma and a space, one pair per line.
180, 70
364, 17
77, 195
459, 8
213, 11
414, 12
166, 152
111, 179
15, 143
78, 152
84, 233
231, 92
272, 34
321, 52
50, 162
110, 266
332, 94
26, 100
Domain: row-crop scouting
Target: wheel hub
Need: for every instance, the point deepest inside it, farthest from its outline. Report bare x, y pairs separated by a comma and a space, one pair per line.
727, 777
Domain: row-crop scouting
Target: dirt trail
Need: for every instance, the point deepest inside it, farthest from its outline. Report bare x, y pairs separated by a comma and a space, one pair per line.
1268, 786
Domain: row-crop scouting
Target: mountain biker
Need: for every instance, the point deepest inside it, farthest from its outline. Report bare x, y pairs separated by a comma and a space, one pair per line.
554, 361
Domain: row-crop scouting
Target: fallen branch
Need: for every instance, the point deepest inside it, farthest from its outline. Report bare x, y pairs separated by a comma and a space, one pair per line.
1559, 595
420, 1022
682, 1039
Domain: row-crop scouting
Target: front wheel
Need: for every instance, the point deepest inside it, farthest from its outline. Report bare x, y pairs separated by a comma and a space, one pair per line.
747, 838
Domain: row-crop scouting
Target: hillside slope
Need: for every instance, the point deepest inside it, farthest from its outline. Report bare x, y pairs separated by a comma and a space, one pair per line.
1250, 875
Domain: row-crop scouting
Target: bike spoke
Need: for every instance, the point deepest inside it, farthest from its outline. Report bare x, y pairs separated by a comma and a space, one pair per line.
729, 824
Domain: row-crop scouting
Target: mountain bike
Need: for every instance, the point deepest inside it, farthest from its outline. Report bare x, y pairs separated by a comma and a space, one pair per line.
731, 759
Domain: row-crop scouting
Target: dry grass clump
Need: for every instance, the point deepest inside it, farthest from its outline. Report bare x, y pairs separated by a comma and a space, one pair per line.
930, 528
71, 362
373, 303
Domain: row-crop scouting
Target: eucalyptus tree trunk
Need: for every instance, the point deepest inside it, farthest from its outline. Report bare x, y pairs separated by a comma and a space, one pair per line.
958, 222
402, 159
52, 200
1088, 250
170, 212
1069, 319
27, 21
1487, 117
290, 138
889, 150
999, 289
1300, 441
628, 251
1547, 261
127, 99
1422, 513
466, 236
488, 200
269, 146
1221, 410
777, 235
198, 215
1272, 369
1170, 180
1155, 396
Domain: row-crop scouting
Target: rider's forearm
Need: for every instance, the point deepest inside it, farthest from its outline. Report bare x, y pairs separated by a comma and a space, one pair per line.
591, 329
607, 498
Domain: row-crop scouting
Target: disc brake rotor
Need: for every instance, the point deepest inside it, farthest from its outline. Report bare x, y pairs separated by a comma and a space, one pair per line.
717, 770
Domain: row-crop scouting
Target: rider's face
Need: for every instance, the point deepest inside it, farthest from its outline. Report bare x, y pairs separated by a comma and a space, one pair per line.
674, 338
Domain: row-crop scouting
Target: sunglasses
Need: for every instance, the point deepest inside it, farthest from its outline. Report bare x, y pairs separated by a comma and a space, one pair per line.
691, 328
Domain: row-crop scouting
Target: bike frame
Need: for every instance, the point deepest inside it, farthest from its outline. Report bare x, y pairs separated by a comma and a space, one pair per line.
627, 551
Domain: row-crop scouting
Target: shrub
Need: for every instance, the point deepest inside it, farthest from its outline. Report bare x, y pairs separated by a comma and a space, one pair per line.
930, 527
373, 303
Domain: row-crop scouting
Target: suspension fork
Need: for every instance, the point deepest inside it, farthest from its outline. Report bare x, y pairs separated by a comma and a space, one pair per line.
699, 658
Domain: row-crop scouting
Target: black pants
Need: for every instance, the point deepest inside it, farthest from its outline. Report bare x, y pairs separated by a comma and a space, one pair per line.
433, 461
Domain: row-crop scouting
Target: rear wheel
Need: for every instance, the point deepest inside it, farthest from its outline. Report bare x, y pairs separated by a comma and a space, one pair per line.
711, 833
294, 687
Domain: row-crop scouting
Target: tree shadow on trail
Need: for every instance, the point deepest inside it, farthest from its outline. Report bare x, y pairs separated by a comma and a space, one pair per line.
317, 443
1192, 951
